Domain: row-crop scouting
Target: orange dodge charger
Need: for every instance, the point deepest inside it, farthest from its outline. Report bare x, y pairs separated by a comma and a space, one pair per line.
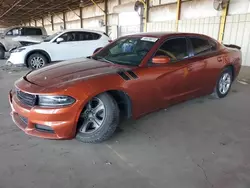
133, 76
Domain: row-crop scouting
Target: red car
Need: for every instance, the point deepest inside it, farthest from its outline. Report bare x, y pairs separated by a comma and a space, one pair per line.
131, 77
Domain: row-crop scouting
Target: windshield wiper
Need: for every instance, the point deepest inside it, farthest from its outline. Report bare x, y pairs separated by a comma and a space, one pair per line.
102, 59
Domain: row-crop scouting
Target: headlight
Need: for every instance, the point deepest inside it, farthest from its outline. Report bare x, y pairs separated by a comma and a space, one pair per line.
18, 50
51, 101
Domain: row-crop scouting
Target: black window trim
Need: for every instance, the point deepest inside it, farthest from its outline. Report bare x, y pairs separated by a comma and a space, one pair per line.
201, 54
171, 38
60, 36
90, 32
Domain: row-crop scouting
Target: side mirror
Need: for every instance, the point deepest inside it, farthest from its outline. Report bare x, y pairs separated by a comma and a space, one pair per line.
59, 40
161, 60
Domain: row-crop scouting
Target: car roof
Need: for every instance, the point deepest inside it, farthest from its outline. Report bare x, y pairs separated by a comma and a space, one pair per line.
86, 30
23, 27
165, 34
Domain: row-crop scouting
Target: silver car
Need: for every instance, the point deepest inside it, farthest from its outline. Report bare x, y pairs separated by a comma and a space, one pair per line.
20, 36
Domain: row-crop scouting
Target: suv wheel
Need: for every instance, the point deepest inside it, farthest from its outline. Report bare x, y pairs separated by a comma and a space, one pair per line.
98, 120
2, 52
37, 61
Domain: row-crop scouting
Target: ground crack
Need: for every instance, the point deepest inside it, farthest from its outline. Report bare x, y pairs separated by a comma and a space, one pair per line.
204, 172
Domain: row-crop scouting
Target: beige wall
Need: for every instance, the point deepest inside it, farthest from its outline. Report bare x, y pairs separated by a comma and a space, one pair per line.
196, 16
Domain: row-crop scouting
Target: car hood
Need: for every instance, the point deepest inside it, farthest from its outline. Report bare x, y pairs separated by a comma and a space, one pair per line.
70, 71
28, 39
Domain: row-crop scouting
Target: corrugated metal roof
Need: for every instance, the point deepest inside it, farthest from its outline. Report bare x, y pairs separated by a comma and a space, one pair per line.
13, 12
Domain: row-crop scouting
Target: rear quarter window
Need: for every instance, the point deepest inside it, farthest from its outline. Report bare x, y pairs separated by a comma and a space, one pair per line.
202, 46
96, 36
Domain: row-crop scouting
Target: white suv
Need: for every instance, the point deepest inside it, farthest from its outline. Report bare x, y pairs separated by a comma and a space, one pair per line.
64, 45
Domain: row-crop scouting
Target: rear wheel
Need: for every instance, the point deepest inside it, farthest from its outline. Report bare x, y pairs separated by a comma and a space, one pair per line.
98, 120
2, 52
37, 61
223, 84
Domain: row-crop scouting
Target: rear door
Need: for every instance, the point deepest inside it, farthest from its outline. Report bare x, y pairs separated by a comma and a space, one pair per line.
200, 71
87, 43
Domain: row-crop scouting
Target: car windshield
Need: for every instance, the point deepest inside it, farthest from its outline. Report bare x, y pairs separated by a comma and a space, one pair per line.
126, 51
49, 38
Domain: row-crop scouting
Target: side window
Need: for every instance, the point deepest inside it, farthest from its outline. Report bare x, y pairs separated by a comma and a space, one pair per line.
200, 46
82, 36
175, 49
96, 36
213, 45
31, 31
69, 37
14, 32
79, 36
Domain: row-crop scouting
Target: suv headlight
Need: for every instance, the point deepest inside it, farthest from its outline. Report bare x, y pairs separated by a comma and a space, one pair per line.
54, 101
17, 50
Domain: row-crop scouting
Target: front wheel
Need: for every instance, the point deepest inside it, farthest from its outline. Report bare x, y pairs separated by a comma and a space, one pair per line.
98, 120
37, 61
223, 84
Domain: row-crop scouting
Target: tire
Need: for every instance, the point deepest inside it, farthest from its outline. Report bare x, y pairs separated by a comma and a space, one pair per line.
86, 128
37, 61
2, 52
219, 92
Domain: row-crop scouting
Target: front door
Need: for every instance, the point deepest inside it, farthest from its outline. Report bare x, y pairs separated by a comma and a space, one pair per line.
65, 50
172, 79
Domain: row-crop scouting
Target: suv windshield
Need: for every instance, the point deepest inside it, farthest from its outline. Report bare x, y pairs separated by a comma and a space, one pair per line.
49, 38
126, 51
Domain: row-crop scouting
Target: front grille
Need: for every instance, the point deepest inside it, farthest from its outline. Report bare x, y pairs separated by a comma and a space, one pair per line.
44, 128
26, 98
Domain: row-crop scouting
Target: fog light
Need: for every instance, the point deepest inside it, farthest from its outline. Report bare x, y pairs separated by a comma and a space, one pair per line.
44, 128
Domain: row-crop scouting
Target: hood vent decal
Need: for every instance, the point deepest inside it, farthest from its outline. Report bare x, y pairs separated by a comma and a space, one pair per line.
132, 74
123, 75
127, 75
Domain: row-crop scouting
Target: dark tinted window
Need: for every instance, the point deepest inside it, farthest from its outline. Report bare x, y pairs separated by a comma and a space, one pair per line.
213, 45
69, 37
200, 46
96, 36
87, 36
31, 31
175, 49
80, 36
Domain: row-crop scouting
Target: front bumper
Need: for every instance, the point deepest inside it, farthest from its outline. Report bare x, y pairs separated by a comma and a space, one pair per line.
59, 123
17, 59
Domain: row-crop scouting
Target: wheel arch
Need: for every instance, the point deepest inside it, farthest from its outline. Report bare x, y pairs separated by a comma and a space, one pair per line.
2, 45
123, 101
36, 51
232, 68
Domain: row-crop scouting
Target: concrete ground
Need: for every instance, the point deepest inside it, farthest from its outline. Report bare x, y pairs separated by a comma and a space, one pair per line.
203, 143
